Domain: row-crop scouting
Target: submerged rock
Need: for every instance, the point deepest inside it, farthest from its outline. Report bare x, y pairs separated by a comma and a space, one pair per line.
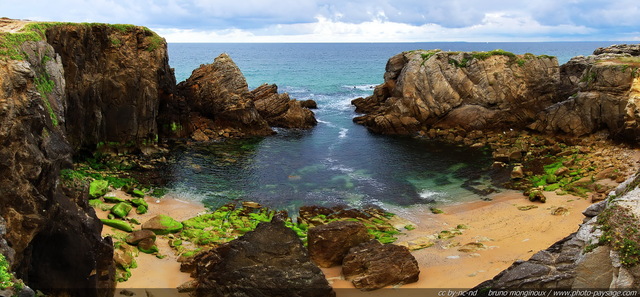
328, 244
269, 261
373, 265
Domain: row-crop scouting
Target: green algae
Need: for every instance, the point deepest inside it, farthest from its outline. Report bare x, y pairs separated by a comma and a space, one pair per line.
121, 209
98, 188
118, 224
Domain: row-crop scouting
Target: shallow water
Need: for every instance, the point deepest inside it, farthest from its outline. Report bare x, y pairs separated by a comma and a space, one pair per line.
337, 161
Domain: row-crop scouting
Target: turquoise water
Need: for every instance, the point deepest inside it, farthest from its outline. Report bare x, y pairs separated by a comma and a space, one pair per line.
336, 162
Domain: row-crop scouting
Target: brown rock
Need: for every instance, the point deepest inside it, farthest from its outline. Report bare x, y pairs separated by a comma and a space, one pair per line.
373, 265
517, 172
483, 94
136, 236
310, 104
562, 171
329, 244
219, 92
281, 111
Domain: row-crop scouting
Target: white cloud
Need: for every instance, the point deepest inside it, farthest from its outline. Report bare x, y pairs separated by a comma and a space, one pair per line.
499, 26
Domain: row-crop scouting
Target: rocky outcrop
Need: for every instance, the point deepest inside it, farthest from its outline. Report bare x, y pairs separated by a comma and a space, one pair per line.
602, 254
218, 94
601, 92
425, 89
328, 244
281, 111
54, 238
269, 261
218, 102
373, 265
115, 77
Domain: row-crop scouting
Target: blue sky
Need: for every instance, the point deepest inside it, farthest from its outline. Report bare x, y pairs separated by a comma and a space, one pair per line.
351, 21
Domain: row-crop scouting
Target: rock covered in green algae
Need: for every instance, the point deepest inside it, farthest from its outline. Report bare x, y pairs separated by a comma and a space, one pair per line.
98, 188
121, 209
162, 224
118, 224
148, 246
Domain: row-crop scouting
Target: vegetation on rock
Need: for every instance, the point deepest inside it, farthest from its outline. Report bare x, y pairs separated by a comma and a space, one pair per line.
621, 232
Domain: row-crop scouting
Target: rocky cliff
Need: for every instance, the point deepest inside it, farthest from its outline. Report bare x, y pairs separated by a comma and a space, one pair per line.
603, 254
599, 92
53, 240
116, 77
425, 89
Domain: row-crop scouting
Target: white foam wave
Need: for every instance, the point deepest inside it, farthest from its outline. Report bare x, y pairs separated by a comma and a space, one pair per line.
330, 124
432, 196
343, 132
367, 87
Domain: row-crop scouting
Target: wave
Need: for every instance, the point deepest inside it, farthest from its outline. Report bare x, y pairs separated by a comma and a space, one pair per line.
343, 132
367, 87
432, 196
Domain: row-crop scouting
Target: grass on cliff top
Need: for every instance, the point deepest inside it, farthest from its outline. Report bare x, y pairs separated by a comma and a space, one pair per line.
36, 31
520, 60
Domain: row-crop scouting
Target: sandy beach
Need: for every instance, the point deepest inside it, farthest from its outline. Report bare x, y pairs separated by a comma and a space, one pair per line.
505, 234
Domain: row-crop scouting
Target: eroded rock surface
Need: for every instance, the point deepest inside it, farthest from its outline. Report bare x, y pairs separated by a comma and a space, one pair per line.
269, 261
328, 244
281, 111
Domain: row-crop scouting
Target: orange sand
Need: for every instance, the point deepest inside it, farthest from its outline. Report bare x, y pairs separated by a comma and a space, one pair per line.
508, 233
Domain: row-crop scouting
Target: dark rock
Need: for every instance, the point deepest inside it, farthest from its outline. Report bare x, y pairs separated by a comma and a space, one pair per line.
148, 246
310, 104
53, 235
329, 244
269, 261
113, 89
135, 237
373, 265
594, 209
629, 49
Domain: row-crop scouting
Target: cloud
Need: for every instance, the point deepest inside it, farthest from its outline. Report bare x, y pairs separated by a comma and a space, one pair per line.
356, 20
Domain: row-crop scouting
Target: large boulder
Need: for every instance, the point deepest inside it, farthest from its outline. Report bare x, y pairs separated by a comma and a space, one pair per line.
269, 261
328, 244
373, 265
162, 224
281, 111
425, 89
219, 96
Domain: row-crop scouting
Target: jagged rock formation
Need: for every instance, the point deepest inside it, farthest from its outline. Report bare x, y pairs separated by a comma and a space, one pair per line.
269, 261
425, 89
328, 244
54, 239
601, 92
281, 111
217, 98
583, 260
115, 79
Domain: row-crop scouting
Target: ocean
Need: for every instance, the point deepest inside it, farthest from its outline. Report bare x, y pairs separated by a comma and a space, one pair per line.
337, 162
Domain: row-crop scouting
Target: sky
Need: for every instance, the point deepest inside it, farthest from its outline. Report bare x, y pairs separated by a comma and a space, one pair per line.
351, 21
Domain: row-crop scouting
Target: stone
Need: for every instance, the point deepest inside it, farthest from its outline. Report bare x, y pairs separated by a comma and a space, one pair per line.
148, 246
472, 247
98, 188
594, 209
537, 195
269, 261
118, 224
310, 104
162, 224
560, 211
372, 265
121, 209
594, 270
562, 171
328, 244
517, 172
135, 237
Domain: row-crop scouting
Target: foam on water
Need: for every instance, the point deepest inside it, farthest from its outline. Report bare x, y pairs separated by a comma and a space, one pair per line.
343, 132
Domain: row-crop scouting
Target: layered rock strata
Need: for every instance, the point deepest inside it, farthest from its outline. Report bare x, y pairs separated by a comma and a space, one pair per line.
425, 89
279, 110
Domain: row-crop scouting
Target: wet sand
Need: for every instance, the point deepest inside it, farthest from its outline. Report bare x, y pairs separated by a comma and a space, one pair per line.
509, 234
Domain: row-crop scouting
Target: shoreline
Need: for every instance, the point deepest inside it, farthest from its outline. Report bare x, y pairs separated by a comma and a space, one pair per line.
506, 234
